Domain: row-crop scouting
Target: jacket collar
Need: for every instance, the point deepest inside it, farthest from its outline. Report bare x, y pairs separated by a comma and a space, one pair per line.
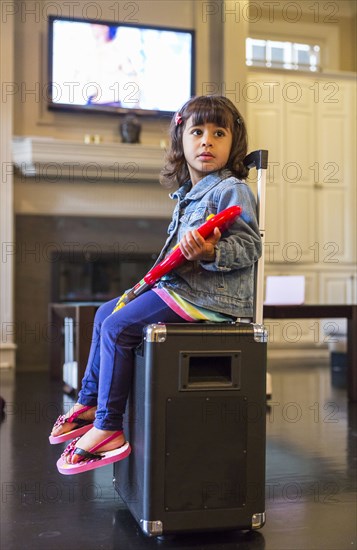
202, 187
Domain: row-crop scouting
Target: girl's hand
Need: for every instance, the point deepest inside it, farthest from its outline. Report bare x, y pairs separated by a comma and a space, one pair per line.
195, 247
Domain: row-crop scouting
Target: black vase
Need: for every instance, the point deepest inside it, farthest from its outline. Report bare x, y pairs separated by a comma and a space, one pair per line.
130, 130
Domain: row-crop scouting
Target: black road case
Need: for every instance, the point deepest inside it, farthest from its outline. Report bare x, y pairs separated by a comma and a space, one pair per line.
196, 424
196, 420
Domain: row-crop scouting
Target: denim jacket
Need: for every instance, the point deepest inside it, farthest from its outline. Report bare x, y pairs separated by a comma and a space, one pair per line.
226, 284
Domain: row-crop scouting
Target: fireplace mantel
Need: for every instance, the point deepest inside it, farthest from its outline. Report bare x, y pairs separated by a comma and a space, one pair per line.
44, 157
70, 178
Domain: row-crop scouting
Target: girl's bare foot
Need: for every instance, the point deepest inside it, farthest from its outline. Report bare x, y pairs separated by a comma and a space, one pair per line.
62, 428
94, 437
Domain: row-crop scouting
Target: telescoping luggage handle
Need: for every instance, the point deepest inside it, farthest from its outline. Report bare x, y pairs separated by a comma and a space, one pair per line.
259, 160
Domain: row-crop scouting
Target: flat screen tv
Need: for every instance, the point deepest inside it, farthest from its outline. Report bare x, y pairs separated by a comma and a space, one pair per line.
101, 66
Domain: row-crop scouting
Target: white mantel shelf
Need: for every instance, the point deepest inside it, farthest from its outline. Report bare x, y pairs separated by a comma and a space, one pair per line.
46, 158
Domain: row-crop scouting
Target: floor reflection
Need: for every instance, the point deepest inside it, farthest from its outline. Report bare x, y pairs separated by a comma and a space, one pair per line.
310, 486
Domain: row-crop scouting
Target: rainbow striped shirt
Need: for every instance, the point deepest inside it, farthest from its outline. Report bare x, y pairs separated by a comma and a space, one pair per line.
188, 310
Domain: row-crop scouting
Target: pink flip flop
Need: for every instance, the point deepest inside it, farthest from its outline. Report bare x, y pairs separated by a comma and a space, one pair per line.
91, 460
83, 426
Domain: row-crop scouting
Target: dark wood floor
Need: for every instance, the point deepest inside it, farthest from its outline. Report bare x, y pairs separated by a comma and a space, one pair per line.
310, 488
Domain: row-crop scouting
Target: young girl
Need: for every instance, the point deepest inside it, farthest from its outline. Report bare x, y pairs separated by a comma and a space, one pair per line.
208, 145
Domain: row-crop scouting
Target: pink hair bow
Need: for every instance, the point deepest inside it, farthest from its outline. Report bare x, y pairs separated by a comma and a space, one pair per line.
178, 119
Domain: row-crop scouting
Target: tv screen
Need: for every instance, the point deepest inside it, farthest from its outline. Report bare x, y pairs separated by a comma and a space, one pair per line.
105, 67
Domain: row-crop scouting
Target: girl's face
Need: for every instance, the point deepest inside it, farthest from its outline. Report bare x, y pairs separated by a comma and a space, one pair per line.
206, 148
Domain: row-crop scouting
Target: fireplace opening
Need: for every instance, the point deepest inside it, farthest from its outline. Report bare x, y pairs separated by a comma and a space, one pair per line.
78, 277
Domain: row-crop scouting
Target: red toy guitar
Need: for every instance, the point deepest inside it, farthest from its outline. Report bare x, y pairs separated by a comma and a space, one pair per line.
221, 220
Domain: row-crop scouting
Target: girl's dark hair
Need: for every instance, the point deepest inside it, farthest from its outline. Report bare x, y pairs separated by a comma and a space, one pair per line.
205, 109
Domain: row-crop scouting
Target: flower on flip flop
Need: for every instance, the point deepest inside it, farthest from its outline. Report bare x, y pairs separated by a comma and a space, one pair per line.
178, 119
